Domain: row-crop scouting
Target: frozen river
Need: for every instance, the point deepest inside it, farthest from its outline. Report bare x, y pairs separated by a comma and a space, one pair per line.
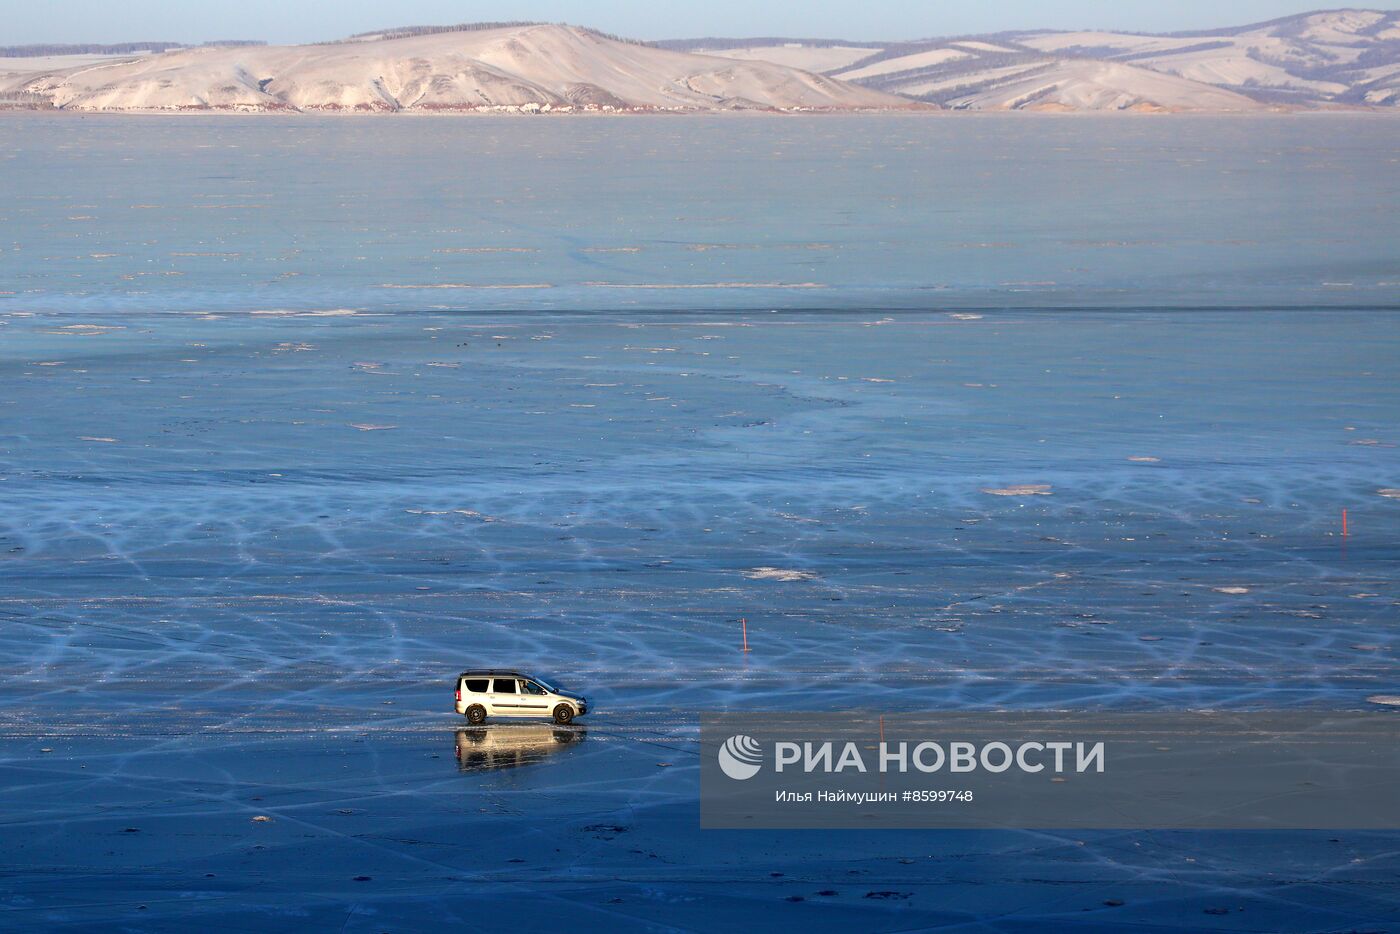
255, 515
244, 558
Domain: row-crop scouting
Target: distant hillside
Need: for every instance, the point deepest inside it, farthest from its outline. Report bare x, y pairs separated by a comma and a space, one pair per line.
526, 68
1330, 59
1336, 59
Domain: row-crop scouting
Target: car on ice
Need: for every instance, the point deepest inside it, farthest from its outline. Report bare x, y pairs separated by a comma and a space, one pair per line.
494, 692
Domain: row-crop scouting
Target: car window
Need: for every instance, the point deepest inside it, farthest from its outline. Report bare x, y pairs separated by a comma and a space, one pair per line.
505, 686
531, 687
477, 685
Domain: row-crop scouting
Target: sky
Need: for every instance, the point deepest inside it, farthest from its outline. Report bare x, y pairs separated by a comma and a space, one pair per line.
282, 21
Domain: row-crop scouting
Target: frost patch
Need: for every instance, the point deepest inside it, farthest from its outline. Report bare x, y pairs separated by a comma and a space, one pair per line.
1021, 489
778, 574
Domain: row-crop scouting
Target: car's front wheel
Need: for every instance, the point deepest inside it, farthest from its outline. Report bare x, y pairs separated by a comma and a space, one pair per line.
563, 714
476, 714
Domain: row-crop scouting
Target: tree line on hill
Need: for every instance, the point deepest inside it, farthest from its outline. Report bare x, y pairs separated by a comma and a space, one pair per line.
118, 48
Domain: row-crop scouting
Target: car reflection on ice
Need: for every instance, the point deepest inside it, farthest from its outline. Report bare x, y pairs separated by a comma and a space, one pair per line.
504, 747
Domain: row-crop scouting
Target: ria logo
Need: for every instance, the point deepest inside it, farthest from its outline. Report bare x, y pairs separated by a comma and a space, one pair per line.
740, 757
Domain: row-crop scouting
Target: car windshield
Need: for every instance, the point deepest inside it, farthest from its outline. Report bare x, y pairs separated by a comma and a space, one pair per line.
548, 686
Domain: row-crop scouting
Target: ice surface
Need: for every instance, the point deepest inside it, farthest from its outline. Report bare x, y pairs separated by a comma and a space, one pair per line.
614, 498
224, 598
332, 215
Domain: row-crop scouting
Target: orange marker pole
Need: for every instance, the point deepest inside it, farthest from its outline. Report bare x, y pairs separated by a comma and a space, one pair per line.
745, 623
1344, 523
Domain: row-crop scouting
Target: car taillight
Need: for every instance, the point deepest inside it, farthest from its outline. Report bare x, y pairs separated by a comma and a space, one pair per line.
459, 694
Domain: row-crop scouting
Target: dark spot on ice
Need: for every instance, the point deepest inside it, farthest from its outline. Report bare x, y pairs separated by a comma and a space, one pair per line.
796, 898
776, 875
888, 894
363, 878
827, 893
1217, 911
132, 830
1113, 902
605, 831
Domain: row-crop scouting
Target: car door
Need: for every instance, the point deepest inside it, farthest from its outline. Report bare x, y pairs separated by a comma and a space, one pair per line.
505, 698
534, 700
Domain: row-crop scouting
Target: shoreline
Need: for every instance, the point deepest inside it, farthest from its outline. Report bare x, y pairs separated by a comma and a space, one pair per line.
912, 108
880, 112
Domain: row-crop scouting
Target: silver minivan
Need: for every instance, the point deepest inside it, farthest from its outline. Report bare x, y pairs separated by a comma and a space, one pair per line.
483, 692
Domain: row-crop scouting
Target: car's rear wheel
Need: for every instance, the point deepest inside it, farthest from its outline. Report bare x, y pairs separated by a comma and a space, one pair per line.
476, 714
563, 714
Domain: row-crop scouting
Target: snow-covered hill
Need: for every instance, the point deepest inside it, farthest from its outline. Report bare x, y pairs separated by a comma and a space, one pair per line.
516, 68
1331, 59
